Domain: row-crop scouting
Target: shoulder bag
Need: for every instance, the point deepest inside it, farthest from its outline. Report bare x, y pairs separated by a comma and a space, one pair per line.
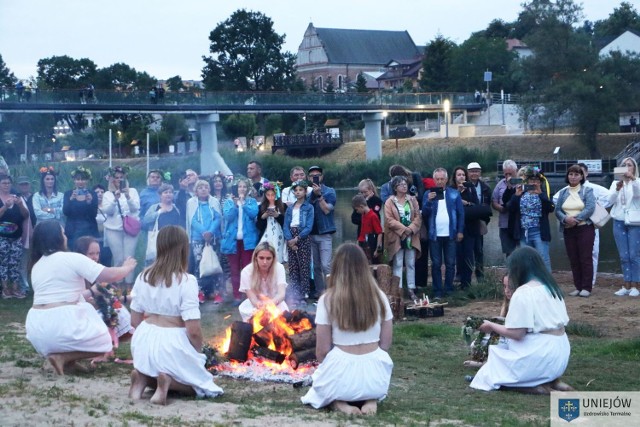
130, 224
152, 237
209, 263
632, 217
600, 216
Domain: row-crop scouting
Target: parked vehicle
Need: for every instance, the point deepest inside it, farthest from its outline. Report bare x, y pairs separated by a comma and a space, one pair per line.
401, 132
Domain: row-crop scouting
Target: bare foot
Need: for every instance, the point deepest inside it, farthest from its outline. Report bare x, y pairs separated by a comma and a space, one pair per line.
370, 407
160, 396
472, 364
345, 408
57, 361
560, 386
77, 368
138, 384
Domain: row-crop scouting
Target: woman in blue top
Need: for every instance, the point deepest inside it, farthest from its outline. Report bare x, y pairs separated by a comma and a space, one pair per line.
203, 227
298, 222
241, 233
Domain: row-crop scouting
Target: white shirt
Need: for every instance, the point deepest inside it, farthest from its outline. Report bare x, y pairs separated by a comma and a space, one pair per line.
180, 299
627, 198
60, 277
129, 207
534, 308
442, 219
247, 272
289, 198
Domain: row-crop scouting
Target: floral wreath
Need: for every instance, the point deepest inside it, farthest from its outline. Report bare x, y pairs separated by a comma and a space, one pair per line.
81, 170
121, 169
47, 170
533, 171
225, 178
477, 339
271, 185
299, 183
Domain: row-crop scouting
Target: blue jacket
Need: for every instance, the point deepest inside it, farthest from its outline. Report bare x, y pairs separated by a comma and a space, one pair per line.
454, 208
250, 234
306, 221
324, 222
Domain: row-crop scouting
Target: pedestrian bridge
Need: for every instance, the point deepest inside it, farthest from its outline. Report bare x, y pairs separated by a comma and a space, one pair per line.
207, 106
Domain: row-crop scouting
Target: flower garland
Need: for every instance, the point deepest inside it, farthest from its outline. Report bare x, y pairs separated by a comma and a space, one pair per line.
107, 302
47, 170
478, 340
81, 171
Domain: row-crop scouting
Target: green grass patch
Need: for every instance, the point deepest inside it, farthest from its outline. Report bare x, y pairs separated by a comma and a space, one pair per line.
581, 329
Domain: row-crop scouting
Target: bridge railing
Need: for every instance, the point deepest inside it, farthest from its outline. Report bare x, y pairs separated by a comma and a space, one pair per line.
201, 97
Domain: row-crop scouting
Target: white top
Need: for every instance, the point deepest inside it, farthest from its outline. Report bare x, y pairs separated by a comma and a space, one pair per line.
180, 299
601, 193
60, 277
341, 337
240, 233
533, 307
289, 198
295, 217
442, 219
627, 198
245, 280
129, 207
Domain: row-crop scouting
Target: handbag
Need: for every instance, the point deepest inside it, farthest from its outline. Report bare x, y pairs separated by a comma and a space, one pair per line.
131, 225
600, 216
152, 237
209, 263
632, 217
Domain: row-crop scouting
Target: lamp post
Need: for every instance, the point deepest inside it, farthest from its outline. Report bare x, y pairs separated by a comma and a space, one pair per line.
304, 118
447, 107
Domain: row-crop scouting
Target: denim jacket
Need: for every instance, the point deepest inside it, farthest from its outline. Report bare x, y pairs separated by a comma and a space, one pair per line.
324, 222
250, 234
454, 208
306, 221
588, 198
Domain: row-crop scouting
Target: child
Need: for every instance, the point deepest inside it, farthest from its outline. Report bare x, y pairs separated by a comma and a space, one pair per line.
298, 222
370, 237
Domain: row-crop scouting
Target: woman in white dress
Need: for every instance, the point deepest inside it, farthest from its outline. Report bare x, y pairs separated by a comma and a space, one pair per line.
354, 332
537, 350
167, 344
61, 325
271, 219
263, 281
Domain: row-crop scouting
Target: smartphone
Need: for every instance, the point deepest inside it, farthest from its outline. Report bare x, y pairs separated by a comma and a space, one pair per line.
619, 172
316, 179
439, 192
81, 192
271, 209
514, 181
528, 187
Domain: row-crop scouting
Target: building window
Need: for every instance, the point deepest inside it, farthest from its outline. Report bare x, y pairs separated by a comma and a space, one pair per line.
320, 83
341, 82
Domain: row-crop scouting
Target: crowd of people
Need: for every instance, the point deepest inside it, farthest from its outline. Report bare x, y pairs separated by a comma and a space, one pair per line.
274, 245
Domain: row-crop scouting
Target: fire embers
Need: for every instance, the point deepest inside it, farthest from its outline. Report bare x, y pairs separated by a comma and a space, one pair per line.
272, 338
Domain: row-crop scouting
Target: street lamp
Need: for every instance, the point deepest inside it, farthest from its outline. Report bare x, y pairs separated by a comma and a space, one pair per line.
304, 118
447, 107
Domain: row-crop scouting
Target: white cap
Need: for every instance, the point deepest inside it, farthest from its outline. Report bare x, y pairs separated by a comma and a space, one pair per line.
473, 165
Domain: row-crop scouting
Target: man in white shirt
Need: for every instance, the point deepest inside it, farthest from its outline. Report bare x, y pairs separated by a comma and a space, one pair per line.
297, 173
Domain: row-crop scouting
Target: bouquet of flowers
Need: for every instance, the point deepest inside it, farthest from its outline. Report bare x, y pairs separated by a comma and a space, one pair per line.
478, 340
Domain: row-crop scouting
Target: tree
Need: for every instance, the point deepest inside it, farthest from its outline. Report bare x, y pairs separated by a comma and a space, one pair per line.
7, 78
477, 55
361, 83
625, 17
497, 29
240, 125
436, 66
121, 76
175, 84
246, 55
64, 72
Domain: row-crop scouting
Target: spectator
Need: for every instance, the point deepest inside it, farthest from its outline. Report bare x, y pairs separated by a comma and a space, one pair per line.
186, 191
254, 173
445, 213
465, 249
402, 231
149, 195
297, 174
370, 234
368, 190
394, 170
633, 122
13, 214
323, 199
160, 215
483, 192
271, 219
47, 203
501, 195
106, 258
80, 207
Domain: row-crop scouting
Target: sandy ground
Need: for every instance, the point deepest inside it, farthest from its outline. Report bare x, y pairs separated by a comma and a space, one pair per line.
38, 397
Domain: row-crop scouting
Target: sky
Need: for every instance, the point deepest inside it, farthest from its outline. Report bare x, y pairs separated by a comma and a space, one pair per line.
167, 39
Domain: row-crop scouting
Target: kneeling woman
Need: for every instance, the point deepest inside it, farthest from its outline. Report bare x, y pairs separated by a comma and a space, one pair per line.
61, 325
538, 349
354, 332
167, 344
263, 281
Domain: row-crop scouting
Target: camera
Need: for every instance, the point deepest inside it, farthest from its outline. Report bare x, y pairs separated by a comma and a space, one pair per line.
439, 192
528, 187
82, 192
315, 179
618, 172
514, 181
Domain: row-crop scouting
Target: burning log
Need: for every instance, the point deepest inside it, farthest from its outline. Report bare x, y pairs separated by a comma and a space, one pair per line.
267, 353
303, 356
303, 340
240, 343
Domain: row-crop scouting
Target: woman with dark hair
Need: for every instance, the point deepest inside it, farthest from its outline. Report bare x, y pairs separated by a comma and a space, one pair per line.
80, 206
402, 231
465, 262
538, 349
354, 333
47, 203
271, 219
574, 207
61, 325
167, 345
160, 215
106, 257
263, 281
13, 213
625, 196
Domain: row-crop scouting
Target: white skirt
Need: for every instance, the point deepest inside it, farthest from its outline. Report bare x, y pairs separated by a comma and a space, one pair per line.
350, 378
534, 360
124, 322
247, 309
75, 327
158, 350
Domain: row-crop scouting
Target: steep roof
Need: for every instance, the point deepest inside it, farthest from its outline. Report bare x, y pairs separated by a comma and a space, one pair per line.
366, 46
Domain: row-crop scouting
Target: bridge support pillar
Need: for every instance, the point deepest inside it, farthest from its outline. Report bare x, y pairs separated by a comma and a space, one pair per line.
210, 160
373, 135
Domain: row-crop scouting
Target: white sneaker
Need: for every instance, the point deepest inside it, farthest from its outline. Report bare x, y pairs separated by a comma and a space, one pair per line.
634, 292
584, 293
574, 293
622, 292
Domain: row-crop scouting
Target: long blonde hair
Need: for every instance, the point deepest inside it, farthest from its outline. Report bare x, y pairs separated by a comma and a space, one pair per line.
353, 299
173, 257
271, 275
